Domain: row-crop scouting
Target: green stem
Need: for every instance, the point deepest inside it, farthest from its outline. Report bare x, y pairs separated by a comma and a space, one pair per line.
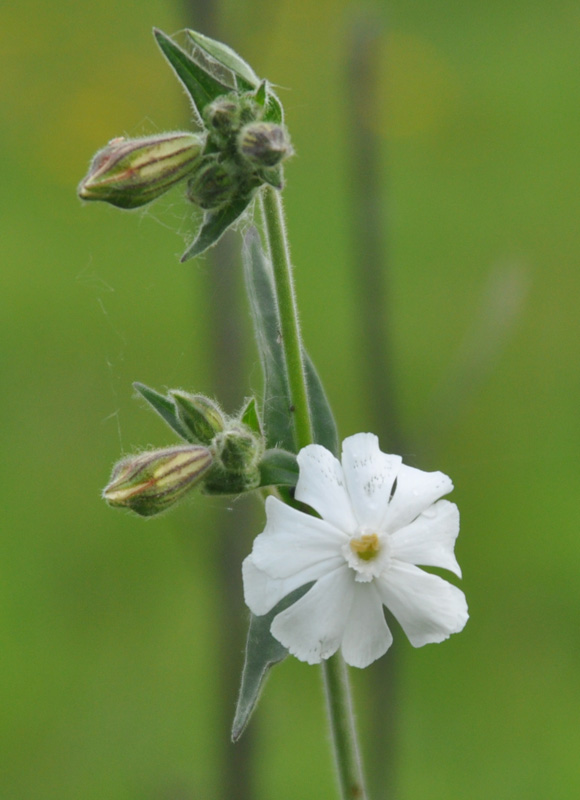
334, 669
289, 325
342, 725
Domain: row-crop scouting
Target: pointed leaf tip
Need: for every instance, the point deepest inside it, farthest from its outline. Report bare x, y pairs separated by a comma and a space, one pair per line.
262, 653
215, 224
164, 407
200, 84
227, 57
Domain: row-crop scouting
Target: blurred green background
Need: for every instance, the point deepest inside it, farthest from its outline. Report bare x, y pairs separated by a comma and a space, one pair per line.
113, 629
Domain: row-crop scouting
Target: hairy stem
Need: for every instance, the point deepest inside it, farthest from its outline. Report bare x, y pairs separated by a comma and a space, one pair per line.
289, 324
334, 669
343, 730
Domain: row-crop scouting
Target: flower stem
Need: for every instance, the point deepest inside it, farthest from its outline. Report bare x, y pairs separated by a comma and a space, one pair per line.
289, 324
334, 669
343, 730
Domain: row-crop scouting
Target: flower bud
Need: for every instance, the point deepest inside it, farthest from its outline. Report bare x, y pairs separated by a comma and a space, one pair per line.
211, 185
264, 144
238, 452
151, 482
129, 173
200, 415
223, 115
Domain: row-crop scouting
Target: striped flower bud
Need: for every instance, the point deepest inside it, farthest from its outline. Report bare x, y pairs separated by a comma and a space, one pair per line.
150, 482
264, 144
129, 173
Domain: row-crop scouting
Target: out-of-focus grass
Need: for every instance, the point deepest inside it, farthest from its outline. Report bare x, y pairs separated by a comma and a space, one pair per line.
108, 623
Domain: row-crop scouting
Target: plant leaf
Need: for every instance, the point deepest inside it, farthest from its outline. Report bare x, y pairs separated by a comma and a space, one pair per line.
262, 653
274, 110
276, 403
323, 423
215, 224
201, 85
278, 468
227, 58
249, 416
165, 408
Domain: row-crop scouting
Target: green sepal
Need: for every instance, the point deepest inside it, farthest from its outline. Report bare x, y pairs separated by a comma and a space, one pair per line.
250, 416
215, 224
274, 176
273, 110
220, 482
278, 468
199, 415
324, 428
261, 94
276, 402
201, 85
246, 78
166, 410
262, 653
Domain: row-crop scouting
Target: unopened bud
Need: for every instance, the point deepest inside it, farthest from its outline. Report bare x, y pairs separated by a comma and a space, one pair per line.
200, 415
238, 452
129, 173
264, 144
211, 185
222, 115
151, 482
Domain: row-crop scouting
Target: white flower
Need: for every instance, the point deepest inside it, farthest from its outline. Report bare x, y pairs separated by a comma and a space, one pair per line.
379, 519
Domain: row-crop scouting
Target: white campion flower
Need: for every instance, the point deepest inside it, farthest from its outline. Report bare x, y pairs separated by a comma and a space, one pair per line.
379, 519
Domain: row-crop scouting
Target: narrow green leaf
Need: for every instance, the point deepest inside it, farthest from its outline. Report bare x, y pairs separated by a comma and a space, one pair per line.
278, 468
323, 422
201, 85
227, 57
262, 653
215, 224
276, 404
165, 408
250, 416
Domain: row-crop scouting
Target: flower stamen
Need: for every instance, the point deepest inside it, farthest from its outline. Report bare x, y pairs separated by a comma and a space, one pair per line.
366, 547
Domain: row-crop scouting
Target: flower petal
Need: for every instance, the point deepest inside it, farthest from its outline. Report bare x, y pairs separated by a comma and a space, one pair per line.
261, 593
369, 476
428, 608
366, 636
429, 540
321, 485
415, 491
313, 627
293, 540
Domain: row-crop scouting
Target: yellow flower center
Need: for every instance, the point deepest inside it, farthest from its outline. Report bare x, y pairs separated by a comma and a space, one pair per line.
366, 547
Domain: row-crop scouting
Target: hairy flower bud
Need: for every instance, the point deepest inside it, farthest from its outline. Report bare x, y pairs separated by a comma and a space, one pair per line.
238, 452
264, 144
149, 483
129, 173
200, 415
223, 115
211, 185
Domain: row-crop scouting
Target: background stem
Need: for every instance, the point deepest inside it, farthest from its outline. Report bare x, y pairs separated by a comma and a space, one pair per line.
366, 46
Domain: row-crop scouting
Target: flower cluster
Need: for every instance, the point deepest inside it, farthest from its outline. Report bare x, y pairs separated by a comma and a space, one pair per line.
378, 519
